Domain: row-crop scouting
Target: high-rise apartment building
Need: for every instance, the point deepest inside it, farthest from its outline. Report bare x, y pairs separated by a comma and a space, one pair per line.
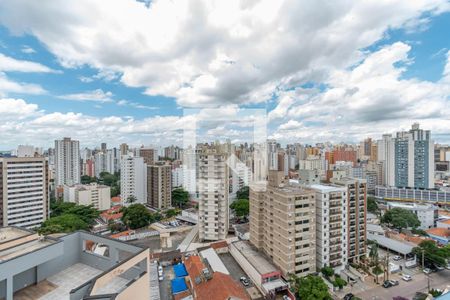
100, 163
408, 159
112, 160
283, 224
159, 186
331, 229
213, 188
67, 162
123, 149
150, 155
24, 191
133, 179
356, 216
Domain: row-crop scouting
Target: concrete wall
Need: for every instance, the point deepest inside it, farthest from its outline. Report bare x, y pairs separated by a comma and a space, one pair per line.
246, 266
3, 289
24, 279
70, 256
138, 290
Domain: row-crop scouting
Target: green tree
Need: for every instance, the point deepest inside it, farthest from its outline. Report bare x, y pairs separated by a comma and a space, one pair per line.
372, 205
180, 197
85, 212
432, 253
58, 207
136, 216
310, 288
400, 218
171, 213
85, 179
327, 271
131, 199
63, 223
241, 207
243, 193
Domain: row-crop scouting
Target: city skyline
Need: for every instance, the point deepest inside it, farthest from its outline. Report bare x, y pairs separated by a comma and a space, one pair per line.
126, 72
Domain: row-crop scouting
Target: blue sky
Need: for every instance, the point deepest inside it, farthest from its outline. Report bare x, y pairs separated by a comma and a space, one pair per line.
124, 72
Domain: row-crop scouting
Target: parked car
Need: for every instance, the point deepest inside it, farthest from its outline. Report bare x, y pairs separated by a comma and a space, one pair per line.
244, 281
349, 296
387, 284
396, 258
440, 268
161, 278
427, 271
407, 277
286, 297
394, 282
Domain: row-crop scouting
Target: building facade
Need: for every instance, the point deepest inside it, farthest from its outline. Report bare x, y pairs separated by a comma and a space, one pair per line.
99, 196
213, 188
67, 162
283, 225
159, 186
331, 228
133, 179
356, 216
24, 191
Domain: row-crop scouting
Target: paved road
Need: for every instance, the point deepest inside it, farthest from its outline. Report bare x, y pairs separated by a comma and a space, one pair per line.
408, 289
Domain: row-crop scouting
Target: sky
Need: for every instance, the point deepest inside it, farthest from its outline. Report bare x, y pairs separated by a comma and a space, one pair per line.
147, 72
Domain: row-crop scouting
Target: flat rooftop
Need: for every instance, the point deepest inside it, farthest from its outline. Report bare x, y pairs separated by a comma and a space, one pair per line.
24, 248
255, 258
10, 233
327, 188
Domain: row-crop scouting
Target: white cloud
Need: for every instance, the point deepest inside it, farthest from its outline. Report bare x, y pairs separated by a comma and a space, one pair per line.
27, 49
97, 95
14, 109
135, 105
8, 86
9, 64
371, 99
205, 52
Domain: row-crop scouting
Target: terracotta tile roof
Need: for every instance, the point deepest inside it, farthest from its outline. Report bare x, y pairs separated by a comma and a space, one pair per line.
219, 287
218, 245
123, 233
445, 222
112, 213
181, 295
115, 199
444, 212
444, 232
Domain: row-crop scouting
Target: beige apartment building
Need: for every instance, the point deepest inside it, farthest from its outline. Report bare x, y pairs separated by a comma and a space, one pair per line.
213, 188
356, 216
99, 196
283, 225
150, 155
159, 186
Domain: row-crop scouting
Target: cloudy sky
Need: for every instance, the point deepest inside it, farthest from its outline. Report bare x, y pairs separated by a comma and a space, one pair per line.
133, 71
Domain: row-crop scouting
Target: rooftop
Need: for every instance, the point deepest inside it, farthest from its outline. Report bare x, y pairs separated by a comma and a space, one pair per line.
11, 233
412, 206
327, 188
214, 260
255, 258
397, 246
443, 232
24, 248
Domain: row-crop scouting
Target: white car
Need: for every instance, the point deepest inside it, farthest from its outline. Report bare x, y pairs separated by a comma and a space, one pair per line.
397, 258
407, 277
161, 278
427, 271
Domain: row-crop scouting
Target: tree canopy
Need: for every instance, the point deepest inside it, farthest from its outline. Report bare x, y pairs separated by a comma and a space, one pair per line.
432, 253
400, 218
180, 197
137, 216
111, 180
241, 207
243, 193
85, 212
372, 205
310, 288
63, 223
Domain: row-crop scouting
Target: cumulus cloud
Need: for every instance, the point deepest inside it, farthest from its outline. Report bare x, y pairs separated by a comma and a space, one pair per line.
9, 64
371, 99
27, 49
97, 95
9, 86
205, 52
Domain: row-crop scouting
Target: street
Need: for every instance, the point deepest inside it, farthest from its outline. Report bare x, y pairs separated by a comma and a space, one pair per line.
419, 283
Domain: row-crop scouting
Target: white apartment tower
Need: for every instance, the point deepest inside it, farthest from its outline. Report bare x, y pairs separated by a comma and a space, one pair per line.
213, 187
67, 162
24, 197
331, 229
133, 179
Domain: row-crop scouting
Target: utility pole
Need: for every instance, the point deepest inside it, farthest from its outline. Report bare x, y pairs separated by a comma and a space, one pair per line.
423, 259
387, 265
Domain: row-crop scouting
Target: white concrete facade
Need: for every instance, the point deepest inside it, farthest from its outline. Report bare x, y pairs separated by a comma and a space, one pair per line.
67, 162
25, 199
89, 194
133, 179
